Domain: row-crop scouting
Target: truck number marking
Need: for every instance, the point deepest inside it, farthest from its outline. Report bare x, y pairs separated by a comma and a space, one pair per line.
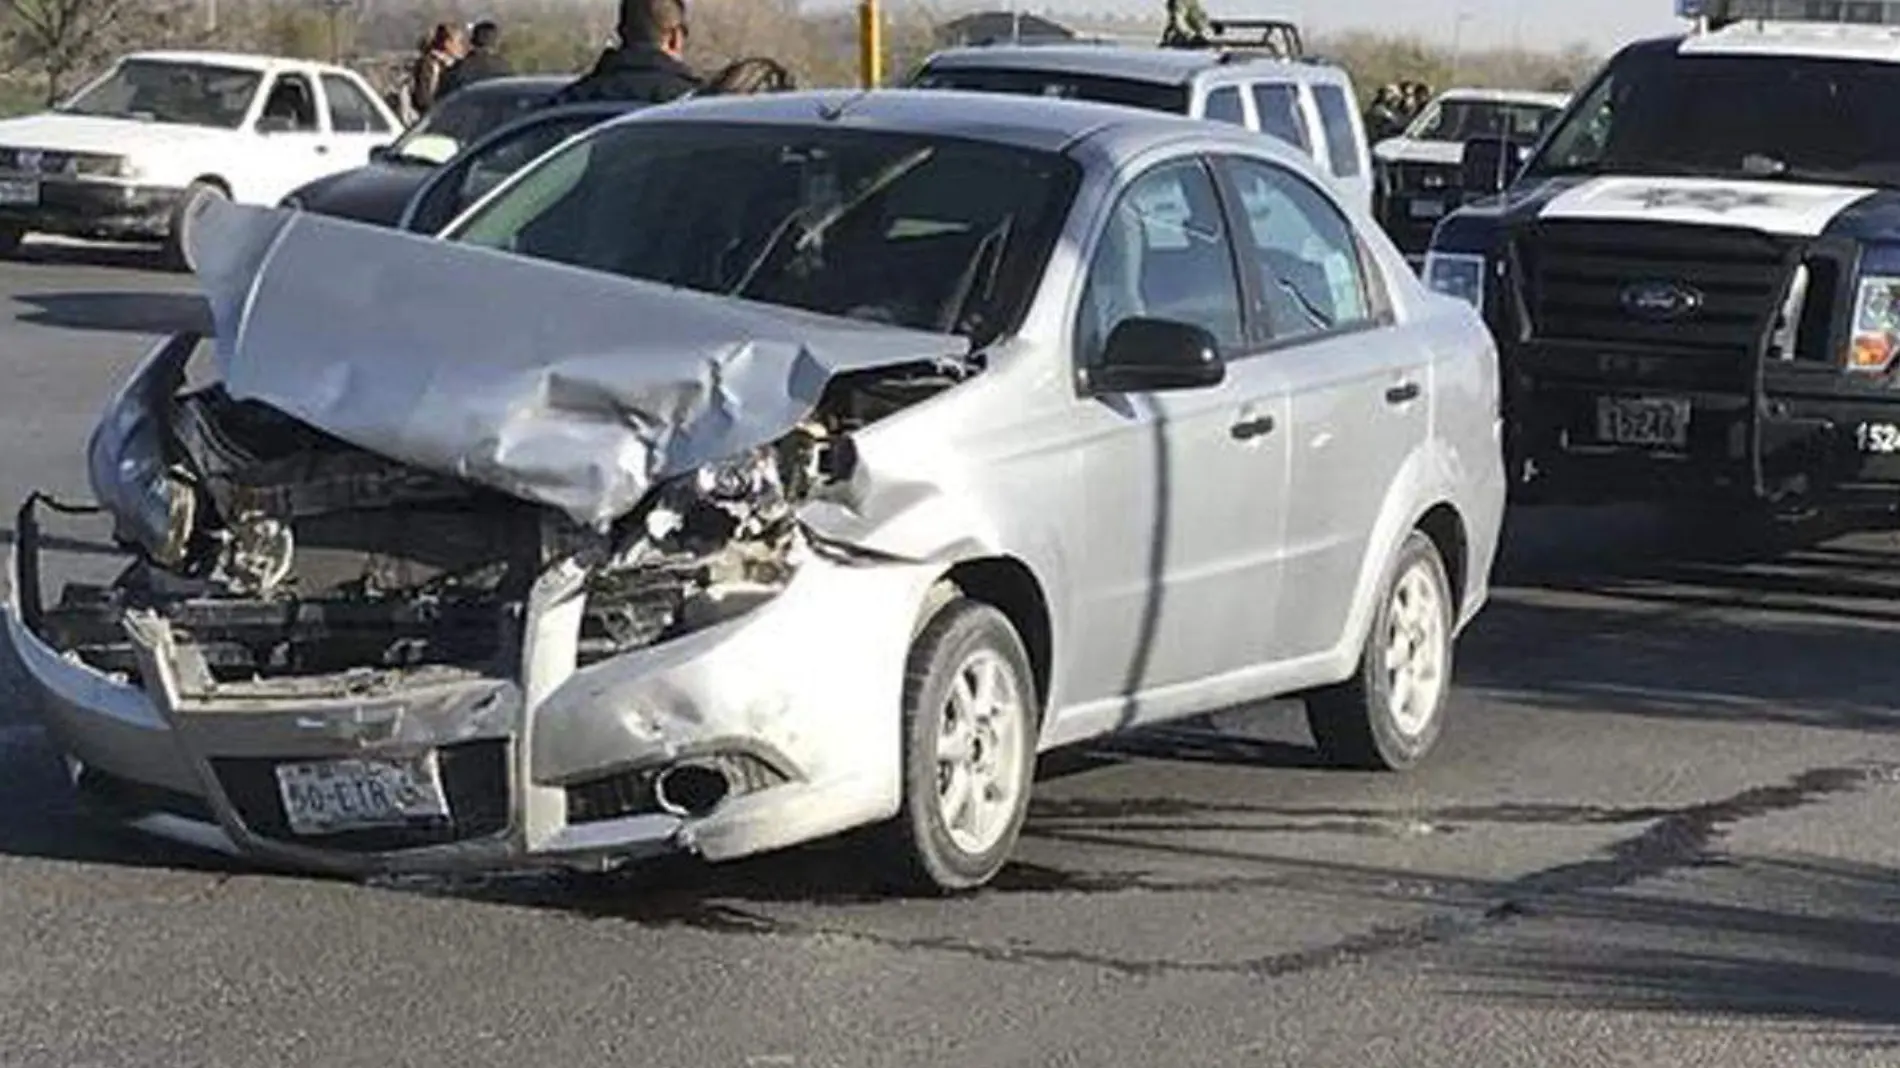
1879, 438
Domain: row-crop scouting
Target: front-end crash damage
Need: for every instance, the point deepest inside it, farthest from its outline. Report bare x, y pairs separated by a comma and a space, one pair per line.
510, 591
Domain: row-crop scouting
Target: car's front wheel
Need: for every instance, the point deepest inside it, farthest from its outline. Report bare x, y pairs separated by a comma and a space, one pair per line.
1389, 714
198, 197
969, 737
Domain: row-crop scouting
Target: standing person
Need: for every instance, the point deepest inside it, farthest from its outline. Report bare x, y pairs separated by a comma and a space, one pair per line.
440, 52
1383, 118
482, 62
1187, 25
647, 65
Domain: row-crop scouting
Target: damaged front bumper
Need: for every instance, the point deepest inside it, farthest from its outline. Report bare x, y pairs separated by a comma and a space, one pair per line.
793, 704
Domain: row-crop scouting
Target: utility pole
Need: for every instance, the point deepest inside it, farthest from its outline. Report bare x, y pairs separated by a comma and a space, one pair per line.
211, 16
870, 45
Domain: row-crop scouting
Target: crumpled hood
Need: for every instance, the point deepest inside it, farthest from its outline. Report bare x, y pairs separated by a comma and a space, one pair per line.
567, 387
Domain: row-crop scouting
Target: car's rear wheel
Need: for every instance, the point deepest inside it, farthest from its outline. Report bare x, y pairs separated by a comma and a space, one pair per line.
1389, 714
969, 737
198, 197
12, 236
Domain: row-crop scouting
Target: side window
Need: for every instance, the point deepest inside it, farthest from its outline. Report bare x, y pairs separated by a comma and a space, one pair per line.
351, 110
291, 106
1310, 276
1165, 254
1335, 116
1223, 105
472, 176
1279, 109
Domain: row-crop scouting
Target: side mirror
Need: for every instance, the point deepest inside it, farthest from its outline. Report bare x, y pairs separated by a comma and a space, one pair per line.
275, 124
382, 154
1488, 165
1157, 355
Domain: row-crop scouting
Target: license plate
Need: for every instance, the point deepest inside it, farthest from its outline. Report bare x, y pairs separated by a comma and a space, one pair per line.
19, 191
1649, 421
1428, 209
345, 795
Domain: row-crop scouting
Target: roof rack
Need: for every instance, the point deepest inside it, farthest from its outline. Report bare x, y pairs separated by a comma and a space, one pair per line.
1247, 39
1716, 14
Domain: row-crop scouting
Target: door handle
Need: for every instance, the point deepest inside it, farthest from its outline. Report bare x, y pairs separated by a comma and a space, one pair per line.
1248, 429
1403, 393
323, 150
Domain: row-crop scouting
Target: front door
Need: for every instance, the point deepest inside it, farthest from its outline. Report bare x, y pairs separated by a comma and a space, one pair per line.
1182, 553
1360, 404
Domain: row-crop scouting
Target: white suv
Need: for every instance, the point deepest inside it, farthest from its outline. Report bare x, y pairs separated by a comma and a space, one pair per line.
1306, 103
134, 154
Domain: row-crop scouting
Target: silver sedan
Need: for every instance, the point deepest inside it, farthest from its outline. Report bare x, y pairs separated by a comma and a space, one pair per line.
751, 470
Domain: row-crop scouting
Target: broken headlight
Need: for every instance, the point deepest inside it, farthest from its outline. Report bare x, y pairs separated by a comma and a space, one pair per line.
710, 545
150, 496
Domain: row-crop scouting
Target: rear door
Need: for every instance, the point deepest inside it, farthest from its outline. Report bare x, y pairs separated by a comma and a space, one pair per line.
1360, 395
356, 123
1278, 110
295, 144
1347, 155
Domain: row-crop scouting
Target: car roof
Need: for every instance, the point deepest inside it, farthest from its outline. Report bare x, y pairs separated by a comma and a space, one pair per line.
1034, 123
240, 60
510, 84
1157, 66
1506, 96
1810, 40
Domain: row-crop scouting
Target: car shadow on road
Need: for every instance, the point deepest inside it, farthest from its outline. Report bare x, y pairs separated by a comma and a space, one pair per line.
62, 254
1799, 633
1815, 946
125, 312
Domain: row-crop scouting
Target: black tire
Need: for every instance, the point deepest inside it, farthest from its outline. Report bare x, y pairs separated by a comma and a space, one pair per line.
924, 855
12, 236
1355, 723
198, 196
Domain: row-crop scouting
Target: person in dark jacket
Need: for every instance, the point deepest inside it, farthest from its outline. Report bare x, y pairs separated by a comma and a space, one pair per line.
646, 66
482, 62
438, 53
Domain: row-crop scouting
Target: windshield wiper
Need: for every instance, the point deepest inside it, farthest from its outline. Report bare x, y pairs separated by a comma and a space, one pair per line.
816, 231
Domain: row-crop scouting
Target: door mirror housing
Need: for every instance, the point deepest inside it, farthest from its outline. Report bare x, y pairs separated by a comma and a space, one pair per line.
1488, 165
1155, 356
382, 154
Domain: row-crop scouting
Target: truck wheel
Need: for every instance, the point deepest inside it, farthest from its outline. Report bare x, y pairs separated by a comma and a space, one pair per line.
198, 196
1388, 715
969, 750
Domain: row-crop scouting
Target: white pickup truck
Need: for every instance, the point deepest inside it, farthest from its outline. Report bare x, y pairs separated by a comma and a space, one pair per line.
131, 155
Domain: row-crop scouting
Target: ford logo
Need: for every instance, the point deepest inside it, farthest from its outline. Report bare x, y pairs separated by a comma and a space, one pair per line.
1661, 301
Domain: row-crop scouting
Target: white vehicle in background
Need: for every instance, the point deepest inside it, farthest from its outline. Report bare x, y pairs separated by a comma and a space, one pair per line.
1420, 179
134, 154
1307, 103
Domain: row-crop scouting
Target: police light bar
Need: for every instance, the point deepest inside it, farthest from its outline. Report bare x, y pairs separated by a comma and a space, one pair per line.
1861, 12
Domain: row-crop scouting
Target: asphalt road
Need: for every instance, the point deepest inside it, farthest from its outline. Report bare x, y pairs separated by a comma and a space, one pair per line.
1661, 831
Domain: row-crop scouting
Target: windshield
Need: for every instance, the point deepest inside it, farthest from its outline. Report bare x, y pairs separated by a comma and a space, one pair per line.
1738, 117
1466, 120
1170, 98
459, 121
929, 233
186, 94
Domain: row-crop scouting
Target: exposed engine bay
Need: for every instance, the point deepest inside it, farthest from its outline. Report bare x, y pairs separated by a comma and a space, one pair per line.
284, 558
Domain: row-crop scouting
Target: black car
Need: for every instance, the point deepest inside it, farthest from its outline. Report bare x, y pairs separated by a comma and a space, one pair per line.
1694, 281
378, 192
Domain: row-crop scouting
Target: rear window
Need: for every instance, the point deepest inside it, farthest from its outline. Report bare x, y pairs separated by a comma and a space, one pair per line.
1336, 116
1101, 90
1280, 114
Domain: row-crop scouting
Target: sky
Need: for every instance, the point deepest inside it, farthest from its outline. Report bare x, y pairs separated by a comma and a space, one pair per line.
1603, 24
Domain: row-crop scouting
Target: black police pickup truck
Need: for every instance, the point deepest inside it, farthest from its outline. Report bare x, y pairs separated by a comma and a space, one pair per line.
1694, 279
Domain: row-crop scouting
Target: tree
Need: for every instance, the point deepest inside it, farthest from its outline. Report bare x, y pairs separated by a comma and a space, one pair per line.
58, 37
